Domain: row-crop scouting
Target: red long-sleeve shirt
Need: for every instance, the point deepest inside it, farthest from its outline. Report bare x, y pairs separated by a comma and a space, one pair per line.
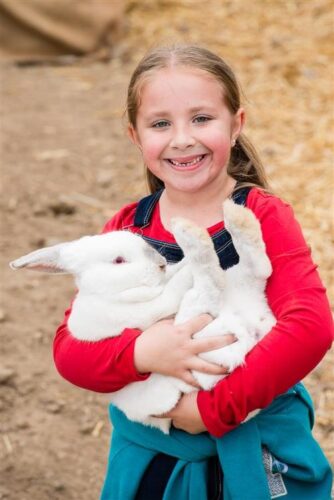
295, 345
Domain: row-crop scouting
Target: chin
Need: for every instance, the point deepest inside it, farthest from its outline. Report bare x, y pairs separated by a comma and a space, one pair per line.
190, 187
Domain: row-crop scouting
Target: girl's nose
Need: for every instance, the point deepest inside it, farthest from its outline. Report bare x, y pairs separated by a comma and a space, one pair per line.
182, 139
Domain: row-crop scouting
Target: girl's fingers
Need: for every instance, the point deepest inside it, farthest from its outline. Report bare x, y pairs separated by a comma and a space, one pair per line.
212, 343
196, 324
202, 366
188, 377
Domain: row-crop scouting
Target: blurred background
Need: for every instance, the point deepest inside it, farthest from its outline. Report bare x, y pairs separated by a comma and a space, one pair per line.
67, 166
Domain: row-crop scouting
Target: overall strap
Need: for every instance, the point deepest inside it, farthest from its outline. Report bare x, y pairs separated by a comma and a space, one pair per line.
145, 208
222, 241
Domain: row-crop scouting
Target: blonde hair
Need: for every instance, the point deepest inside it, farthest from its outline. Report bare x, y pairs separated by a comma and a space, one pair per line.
245, 165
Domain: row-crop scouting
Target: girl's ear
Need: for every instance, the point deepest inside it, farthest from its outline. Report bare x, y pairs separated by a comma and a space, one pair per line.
238, 123
47, 260
133, 136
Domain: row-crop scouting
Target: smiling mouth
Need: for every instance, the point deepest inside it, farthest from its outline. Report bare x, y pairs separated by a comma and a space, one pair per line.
189, 163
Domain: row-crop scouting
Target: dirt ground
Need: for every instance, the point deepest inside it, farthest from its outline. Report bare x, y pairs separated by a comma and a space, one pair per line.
67, 167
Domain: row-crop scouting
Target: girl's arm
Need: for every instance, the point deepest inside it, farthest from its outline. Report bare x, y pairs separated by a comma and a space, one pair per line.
103, 366
110, 364
299, 340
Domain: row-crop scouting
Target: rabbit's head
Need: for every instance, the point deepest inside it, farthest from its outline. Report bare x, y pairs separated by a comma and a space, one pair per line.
109, 262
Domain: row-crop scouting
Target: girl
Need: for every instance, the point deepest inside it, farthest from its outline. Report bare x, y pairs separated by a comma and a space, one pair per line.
185, 117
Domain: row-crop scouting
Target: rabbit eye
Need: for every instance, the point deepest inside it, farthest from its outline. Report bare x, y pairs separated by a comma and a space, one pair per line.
119, 260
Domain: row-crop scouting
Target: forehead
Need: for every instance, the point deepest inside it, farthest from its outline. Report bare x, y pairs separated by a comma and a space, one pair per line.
181, 86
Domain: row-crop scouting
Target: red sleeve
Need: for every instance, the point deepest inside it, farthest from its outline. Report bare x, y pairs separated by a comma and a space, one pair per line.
295, 345
103, 366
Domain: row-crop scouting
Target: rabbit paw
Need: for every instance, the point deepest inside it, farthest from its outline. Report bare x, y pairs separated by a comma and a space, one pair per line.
242, 223
188, 234
195, 241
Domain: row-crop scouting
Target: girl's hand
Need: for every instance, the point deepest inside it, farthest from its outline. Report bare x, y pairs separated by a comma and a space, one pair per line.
186, 415
169, 349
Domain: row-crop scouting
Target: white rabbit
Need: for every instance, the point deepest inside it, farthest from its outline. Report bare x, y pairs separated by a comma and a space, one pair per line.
123, 282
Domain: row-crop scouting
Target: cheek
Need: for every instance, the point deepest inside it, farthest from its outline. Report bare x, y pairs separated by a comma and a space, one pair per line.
152, 148
152, 275
220, 144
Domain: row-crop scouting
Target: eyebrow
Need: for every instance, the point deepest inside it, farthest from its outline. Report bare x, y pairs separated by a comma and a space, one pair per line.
197, 109
157, 114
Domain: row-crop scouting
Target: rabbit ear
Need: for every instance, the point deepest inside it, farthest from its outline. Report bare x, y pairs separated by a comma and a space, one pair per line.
46, 260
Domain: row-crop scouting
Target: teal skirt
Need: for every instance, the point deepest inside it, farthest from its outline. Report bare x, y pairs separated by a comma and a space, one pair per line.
271, 455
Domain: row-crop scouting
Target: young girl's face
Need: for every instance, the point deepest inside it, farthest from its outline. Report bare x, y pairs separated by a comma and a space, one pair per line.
184, 128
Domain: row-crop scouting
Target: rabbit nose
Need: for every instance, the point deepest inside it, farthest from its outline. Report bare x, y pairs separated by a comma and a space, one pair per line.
161, 261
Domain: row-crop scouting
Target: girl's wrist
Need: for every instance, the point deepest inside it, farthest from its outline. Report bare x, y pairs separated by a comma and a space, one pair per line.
138, 358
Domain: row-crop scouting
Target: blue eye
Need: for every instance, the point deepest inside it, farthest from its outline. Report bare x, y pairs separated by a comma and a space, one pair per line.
201, 119
160, 124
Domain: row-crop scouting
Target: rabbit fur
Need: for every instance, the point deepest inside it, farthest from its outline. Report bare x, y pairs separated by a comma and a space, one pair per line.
124, 283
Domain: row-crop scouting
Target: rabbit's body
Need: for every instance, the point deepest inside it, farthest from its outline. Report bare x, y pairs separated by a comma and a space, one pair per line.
124, 283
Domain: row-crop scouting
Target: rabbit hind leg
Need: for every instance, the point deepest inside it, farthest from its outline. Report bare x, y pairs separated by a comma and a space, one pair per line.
245, 230
195, 241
